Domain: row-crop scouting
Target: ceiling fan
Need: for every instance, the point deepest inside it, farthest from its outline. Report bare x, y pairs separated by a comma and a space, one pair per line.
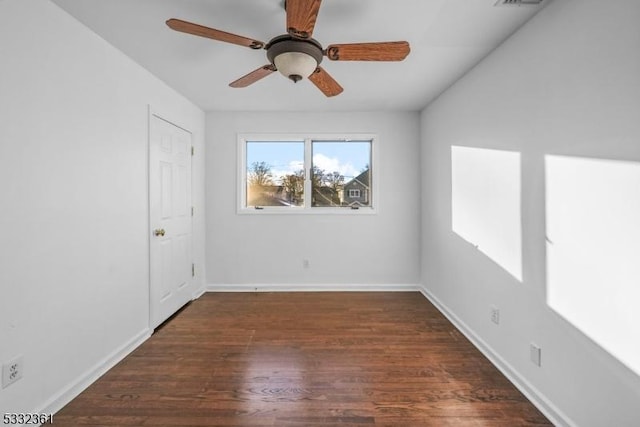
296, 54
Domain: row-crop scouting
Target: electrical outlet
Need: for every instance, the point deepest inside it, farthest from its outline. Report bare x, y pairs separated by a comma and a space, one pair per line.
535, 353
495, 315
12, 371
305, 263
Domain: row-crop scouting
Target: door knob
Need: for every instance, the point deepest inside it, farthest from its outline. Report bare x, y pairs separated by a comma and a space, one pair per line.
159, 231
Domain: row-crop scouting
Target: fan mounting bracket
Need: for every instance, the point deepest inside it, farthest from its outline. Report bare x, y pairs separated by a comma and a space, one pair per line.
333, 53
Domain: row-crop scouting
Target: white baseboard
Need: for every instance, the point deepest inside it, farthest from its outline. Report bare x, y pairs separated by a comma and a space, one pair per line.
312, 288
198, 293
67, 394
556, 416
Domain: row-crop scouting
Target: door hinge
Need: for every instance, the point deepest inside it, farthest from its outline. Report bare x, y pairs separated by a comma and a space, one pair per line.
193, 150
193, 270
191, 210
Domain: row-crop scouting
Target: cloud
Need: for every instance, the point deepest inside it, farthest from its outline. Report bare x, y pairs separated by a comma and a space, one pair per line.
293, 167
330, 165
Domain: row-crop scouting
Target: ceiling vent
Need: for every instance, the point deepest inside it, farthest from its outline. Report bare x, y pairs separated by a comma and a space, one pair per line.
518, 2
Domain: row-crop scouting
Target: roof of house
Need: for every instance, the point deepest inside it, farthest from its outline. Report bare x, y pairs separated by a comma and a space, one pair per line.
363, 179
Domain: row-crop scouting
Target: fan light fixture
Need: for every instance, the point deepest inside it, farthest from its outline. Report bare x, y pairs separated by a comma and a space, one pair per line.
295, 65
296, 59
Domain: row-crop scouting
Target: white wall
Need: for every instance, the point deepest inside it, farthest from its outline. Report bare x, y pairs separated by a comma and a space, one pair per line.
73, 166
567, 83
345, 251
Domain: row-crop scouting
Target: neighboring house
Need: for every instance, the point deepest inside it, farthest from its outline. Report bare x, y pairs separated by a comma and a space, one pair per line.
357, 191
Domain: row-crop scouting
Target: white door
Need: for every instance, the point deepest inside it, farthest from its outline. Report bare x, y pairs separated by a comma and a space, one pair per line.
170, 219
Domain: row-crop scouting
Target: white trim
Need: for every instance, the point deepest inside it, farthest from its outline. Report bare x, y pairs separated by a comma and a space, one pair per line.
535, 396
198, 293
71, 391
313, 288
318, 210
307, 139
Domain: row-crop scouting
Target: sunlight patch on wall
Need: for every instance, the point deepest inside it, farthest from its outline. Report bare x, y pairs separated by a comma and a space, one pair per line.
485, 202
593, 250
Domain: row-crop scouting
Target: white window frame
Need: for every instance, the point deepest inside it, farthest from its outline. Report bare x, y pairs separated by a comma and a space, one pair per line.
308, 139
355, 193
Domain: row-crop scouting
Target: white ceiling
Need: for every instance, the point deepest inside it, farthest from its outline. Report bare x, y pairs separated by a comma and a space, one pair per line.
447, 37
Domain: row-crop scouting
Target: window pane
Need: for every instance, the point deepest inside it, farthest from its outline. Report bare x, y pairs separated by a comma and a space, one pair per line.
341, 174
275, 173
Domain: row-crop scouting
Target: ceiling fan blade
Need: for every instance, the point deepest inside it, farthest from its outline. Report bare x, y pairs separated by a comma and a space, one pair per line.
383, 51
253, 76
223, 36
325, 82
301, 17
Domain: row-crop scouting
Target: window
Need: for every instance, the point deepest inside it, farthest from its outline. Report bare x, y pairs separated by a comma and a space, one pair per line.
304, 174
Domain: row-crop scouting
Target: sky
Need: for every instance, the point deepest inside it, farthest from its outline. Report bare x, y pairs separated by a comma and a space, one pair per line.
285, 158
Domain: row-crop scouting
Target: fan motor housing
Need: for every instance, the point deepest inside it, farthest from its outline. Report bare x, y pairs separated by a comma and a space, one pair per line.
286, 43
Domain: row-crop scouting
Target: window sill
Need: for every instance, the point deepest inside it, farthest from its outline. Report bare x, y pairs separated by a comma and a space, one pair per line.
307, 211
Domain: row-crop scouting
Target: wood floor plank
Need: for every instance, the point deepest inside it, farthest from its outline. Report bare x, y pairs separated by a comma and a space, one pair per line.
304, 359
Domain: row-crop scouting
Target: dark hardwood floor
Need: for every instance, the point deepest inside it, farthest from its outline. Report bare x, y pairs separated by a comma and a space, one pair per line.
304, 359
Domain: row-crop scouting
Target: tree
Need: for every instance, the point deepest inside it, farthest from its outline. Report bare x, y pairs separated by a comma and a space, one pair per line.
334, 180
317, 177
260, 174
293, 185
259, 177
326, 187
